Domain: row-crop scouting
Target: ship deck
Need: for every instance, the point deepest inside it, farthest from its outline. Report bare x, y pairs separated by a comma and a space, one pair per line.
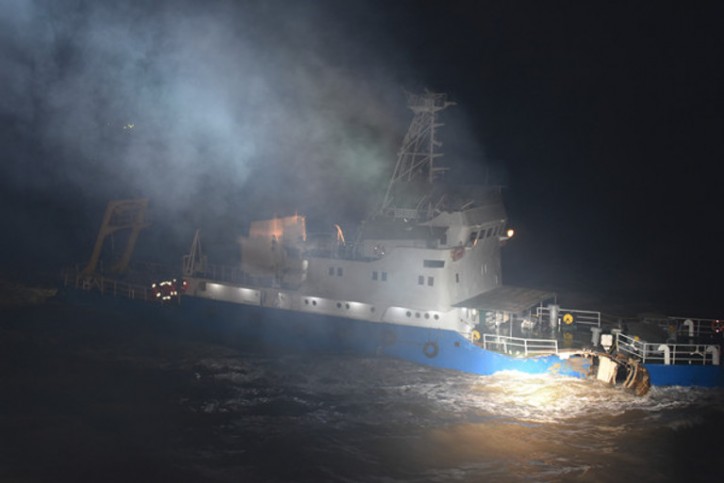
508, 298
651, 342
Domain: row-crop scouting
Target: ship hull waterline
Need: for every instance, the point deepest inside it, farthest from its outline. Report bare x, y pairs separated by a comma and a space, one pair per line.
268, 328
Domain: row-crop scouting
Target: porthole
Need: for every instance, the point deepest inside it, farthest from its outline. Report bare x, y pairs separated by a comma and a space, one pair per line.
339, 305
409, 314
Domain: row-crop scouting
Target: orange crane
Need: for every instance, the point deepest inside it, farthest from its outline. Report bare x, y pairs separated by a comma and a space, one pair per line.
119, 215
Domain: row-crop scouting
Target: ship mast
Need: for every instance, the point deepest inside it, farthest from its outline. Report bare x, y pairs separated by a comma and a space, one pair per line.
416, 158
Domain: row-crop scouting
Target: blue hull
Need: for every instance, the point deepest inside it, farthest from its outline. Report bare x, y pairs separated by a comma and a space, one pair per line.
442, 349
267, 328
685, 375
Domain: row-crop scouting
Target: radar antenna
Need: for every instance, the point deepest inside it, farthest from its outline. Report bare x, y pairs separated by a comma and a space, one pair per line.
416, 158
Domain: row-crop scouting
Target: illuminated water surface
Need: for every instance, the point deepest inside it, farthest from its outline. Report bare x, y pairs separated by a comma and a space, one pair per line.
88, 398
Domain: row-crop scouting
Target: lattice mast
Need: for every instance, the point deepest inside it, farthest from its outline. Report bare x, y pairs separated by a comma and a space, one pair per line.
417, 156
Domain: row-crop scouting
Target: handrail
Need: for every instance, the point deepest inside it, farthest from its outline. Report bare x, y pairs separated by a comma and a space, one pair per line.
223, 273
687, 326
519, 345
581, 317
665, 353
107, 286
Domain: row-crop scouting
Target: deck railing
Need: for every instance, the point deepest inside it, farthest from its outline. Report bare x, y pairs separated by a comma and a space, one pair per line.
688, 326
581, 317
663, 353
107, 286
223, 273
519, 345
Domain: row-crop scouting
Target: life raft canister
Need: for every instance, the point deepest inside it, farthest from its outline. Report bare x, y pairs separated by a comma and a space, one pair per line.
430, 349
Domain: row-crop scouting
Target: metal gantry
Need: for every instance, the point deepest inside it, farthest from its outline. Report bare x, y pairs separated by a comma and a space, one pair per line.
119, 215
417, 156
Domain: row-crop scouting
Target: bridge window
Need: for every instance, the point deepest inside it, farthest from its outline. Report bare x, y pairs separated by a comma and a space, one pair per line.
457, 278
331, 270
384, 276
433, 263
430, 281
374, 275
473, 236
339, 271
421, 280
490, 232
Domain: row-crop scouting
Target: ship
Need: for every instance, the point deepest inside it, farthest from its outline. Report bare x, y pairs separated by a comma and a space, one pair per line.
420, 280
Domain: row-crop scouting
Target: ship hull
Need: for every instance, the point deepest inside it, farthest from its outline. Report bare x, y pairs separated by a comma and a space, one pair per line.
273, 329
685, 375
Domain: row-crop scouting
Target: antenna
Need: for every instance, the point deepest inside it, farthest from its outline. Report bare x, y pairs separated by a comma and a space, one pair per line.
416, 158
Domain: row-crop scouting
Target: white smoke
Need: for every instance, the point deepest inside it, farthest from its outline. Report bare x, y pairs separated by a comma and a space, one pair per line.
180, 100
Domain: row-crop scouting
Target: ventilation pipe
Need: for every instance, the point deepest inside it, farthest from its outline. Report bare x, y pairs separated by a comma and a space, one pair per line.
553, 315
714, 354
690, 324
667, 353
595, 335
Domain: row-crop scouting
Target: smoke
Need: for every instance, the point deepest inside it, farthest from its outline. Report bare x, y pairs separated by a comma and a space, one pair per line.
195, 104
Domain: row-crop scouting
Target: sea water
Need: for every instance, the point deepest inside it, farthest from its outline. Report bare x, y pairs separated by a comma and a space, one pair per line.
91, 397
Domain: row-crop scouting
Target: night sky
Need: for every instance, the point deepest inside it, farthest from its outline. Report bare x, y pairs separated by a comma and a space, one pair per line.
603, 120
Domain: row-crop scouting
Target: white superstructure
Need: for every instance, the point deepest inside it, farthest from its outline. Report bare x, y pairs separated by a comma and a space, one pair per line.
425, 252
